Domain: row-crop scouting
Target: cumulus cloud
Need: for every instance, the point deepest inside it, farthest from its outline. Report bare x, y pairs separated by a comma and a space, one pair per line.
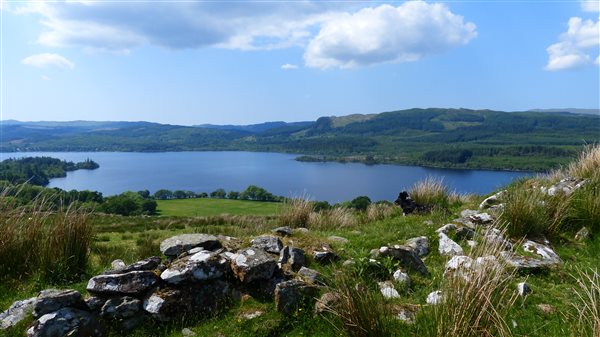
387, 34
590, 5
48, 60
575, 46
288, 66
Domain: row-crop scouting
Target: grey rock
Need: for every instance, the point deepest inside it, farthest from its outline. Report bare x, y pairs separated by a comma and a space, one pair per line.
128, 324
166, 304
252, 264
67, 322
481, 218
448, 247
446, 228
178, 244
419, 244
327, 302
302, 230
546, 257
465, 233
294, 294
582, 235
186, 332
16, 313
566, 186
285, 231
406, 256
523, 288
325, 256
401, 277
338, 239
268, 243
50, 300
201, 266
294, 257
132, 283
150, 263
117, 264
95, 303
121, 307
310, 276
387, 290
491, 200
435, 297
496, 237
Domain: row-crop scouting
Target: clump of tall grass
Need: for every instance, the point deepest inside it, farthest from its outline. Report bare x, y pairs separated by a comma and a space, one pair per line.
430, 192
476, 302
380, 211
584, 208
588, 164
333, 218
52, 245
588, 307
296, 212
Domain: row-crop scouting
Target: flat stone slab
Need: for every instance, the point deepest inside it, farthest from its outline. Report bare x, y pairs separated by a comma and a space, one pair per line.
178, 244
16, 313
201, 266
132, 283
407, 256
50, 300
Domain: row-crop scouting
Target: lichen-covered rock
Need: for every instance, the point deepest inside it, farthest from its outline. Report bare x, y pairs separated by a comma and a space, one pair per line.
495, 236
419, 244
50, 300
166, 304
448, 247
294, 294
566, 186
121, 307
95, 303
66, 322
285, 231
406, 256
150, 263
268, 243
546, 257
294, 257
310, 276
132, 283
201, 266
16, 313
178, 244
252, 264
325, 256
523, 288
401, 277
447, 228
435, 297
117, 264
491, 200
387, 290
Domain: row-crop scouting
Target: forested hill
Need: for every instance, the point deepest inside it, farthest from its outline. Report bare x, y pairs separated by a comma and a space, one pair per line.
459, 138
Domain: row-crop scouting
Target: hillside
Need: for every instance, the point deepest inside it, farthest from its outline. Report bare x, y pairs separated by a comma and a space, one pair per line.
458, 138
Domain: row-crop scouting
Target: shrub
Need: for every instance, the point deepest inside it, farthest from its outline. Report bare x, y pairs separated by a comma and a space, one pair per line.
588, 307
360, 203
296, 212
430, 191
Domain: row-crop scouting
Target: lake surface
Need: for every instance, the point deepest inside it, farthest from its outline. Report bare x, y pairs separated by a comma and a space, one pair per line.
279, 173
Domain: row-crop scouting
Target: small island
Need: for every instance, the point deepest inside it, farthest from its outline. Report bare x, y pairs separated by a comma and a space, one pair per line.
39, 170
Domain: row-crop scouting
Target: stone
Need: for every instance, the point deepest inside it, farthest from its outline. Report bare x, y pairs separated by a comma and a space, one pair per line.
338, 239
285, 231
325, 256
128, 324
117, 264
496, 237
67, 322
252, 264
201, 266
387, 290
448, 247
445, 229
121, 307
406, 256
401, 277
491, 200
293, 295
50, 300
327, 302
16, 313
268, 243
481, 218
132, 283
251, 315
95, 303
294, 257
406, 313
310, 276
302, 230
523, 288
419, 244
178, 244
459, 266
465, 233
166, 304
187, 332
546, 257
582, 235
150, 263
435, 297
565, 186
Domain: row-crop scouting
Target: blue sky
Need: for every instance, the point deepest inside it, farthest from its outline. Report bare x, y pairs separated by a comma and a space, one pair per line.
241, 62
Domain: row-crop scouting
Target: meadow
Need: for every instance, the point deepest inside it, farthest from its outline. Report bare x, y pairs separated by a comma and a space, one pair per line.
207, 207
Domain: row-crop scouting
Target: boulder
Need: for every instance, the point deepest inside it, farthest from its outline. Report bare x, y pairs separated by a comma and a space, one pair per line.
294, 257
178, 244
117, 264
50, 300
67, 322
435, 297
16, 313
95, 303
310, 276
201, 266
294, 294
325, 256
401, 277
327, 302
268, 243
496, 237
481, 218
252, 264
406, 256
491, 200
448, 247
134, 283
387, 290
121, 307
150, 263
419, 244
166, 304
546, 257
284, 231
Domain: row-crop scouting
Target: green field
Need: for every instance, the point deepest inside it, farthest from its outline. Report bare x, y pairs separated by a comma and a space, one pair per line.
208, 207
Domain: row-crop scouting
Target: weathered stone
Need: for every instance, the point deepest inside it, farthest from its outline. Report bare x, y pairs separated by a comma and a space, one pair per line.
121, 307
268, 243
166, 304
50, 300
523, 288
582, 235
387, 290
132, 283
302, 230
327, 302
446, 228
405, 313
251, 315
448, 247
491, 200
95, 304
295, 257
496, 237
464, 233
285, 231
178, 244
435, 297
187, 332
325, 257
117, 264
201, 266
310, 276
419, 244
459, 266
401, 277
66, 322
338, 239
566, 186
16, 313
294, 294
481, 218
252, 264
406, 256
546, 257
128, 324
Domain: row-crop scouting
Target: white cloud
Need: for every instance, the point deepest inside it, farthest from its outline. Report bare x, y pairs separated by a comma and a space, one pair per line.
387, 34
575, 46
48, 60
288, 66
590, 5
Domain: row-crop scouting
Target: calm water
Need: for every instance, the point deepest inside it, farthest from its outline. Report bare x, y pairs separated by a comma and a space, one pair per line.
276, 172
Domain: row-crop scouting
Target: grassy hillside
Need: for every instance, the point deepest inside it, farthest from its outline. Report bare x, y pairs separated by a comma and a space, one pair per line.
208, 207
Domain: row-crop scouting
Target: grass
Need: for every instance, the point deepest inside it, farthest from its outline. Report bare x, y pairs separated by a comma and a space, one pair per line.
210, 206
430, 192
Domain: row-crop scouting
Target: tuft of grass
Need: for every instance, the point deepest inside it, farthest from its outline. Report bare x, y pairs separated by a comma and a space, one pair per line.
476, 302
584, 208
587, 166
588, 295
376, 212
296, 212
430, 192
334, 218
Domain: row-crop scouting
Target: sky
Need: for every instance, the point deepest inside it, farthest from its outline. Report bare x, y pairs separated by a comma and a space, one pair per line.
243, 62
